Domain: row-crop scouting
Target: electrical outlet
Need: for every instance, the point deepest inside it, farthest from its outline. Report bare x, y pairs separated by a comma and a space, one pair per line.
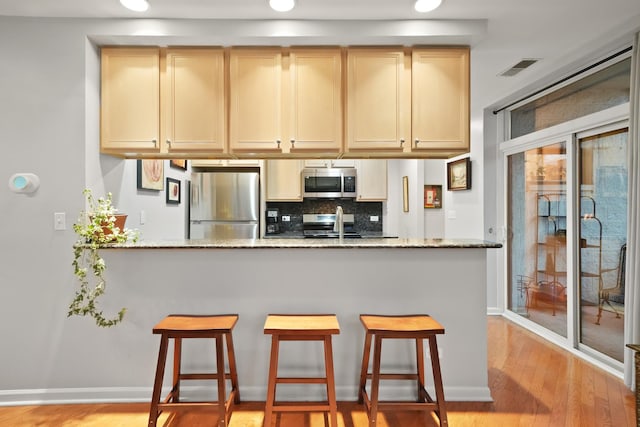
374, 218
286, 218
59, 221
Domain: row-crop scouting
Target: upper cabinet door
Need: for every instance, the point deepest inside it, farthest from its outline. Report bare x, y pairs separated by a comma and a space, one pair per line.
377, 100
283, 180
372, 180
315, 110
195, 103
255, 114
440, 98
130, 100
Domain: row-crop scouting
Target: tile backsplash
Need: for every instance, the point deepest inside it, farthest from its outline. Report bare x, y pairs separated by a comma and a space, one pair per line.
362, 212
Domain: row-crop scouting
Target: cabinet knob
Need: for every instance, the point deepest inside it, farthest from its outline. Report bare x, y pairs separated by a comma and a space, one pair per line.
155, 142
278, 142
417, 142
168, 142
293, 143
402, 142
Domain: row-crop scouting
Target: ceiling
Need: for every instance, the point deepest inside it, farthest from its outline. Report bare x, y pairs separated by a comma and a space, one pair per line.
559, 32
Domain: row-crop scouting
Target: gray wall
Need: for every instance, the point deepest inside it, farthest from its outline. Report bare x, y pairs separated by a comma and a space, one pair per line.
42, 130
49, 126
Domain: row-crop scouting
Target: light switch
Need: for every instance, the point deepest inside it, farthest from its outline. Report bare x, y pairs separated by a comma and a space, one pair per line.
286, 218
373, 218
59, 221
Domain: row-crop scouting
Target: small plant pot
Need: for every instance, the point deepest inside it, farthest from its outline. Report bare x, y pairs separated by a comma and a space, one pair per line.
121, 219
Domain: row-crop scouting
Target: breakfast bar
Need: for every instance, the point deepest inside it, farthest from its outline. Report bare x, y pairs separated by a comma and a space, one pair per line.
442, 278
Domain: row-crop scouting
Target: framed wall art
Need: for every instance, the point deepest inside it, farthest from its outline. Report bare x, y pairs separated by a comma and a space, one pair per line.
151, 174
433, 196
459, 175
173, 191
179, 164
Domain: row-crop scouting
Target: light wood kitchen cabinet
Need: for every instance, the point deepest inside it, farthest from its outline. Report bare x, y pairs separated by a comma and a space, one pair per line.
195, 101
255, 88
315, 107
330, 163
440, 99
378, 101
225, 163
275, 102
371, 180
284, 180
130, 100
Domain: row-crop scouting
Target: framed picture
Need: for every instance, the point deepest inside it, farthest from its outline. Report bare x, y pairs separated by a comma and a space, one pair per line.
179, 164
151, 174
459, 175
173, 191
433, 196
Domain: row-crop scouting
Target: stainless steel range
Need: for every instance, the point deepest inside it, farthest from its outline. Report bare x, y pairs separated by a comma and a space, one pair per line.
322, 225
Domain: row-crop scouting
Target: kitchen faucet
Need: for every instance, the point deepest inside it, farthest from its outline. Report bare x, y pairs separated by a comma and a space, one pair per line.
338, 224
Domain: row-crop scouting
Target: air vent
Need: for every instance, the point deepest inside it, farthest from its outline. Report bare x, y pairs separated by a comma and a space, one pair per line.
520, 66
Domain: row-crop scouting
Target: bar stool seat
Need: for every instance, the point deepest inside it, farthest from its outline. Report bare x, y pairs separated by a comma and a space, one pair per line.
417, 327
290, 327
177, 327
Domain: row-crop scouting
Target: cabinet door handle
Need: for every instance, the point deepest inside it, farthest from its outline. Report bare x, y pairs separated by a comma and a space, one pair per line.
293, 143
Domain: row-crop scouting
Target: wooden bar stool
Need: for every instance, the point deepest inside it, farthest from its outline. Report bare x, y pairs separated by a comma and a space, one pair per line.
288, 327
178, 326
417, 327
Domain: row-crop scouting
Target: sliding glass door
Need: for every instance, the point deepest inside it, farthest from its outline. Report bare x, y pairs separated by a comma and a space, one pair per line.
537, 215
567, 238
603, 230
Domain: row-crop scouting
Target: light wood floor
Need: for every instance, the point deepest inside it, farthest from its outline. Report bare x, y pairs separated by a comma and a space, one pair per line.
533, 383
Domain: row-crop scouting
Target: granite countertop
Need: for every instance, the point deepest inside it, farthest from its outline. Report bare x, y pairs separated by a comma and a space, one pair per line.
271, 243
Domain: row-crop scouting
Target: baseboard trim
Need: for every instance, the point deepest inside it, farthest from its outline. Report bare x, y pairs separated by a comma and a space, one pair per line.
58, 396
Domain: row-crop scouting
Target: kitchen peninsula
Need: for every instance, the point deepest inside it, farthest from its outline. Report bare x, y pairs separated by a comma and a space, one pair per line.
443, 278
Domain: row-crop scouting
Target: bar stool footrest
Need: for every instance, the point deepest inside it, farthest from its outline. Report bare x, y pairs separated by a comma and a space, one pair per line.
391, 376
204, 376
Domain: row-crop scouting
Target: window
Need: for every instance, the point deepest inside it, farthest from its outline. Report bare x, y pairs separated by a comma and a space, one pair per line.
596, 92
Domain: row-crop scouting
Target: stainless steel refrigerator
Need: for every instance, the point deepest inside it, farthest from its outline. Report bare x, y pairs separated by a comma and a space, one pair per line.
224, 205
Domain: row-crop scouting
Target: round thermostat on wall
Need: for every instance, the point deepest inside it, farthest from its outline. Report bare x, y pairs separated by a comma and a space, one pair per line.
24, 183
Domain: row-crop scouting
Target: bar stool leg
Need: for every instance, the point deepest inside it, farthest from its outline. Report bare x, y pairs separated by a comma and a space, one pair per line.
331, 384
222, 413
420, 370
233, 370
177, 357
437, 379
271, 384
375, 381
365, 367
157, 384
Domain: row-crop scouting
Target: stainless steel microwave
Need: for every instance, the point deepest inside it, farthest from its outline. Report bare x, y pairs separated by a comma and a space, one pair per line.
329, 183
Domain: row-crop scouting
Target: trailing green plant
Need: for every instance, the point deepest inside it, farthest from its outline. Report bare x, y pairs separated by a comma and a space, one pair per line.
95, 227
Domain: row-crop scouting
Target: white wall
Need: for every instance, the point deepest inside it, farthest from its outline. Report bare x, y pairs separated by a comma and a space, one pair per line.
435, 173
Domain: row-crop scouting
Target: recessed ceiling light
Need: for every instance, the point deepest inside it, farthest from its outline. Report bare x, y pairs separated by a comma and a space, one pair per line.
282, 5
135, 5
427, 5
